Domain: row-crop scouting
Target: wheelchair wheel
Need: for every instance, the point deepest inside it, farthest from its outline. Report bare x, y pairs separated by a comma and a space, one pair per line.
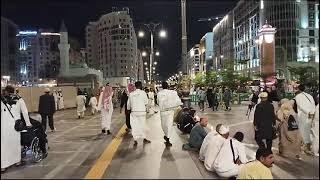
36, 151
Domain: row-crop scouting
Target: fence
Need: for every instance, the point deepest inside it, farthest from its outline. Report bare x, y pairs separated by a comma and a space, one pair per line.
31, 96
237, 98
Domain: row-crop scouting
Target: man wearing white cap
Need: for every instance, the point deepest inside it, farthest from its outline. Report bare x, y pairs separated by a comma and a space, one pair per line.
60, 100
264, 122
212, 145
46, 109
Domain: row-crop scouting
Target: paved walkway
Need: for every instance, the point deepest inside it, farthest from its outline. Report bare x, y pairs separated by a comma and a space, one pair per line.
78, 150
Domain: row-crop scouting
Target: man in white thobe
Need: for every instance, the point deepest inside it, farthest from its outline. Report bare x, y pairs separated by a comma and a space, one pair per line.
105, 105
231, 156
209, 137
210, 149
137, 103
81, 105
12, 107
306, 112
168, 101
55, 95
60, 100
93, 103
315, 132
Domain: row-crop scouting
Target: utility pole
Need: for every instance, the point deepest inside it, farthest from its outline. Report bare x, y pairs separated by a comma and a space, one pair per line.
184, 37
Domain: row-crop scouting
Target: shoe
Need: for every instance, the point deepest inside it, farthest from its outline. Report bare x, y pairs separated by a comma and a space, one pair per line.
127, 129
103, 131
53, 130
3, 170
156, 112
108, 132
146, 141
79, 117
168, 143
135, 143
165, 138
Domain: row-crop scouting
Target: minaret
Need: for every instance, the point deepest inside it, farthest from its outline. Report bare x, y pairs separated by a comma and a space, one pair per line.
64, 47
184, 37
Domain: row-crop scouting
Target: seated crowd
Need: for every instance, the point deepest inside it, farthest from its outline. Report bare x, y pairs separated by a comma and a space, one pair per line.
226, 155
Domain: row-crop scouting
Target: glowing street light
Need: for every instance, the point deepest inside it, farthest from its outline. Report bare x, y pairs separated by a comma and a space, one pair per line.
145, 63
163, 33
155, 63
144, 54
141, 34
157, 53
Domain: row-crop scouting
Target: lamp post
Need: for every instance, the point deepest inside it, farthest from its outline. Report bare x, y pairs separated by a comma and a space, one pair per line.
152, 28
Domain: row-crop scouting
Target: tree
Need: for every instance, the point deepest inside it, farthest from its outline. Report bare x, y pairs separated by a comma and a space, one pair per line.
305, 75
200, 80
211, 78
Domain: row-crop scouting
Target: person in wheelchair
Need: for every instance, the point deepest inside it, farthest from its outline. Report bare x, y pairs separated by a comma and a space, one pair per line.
34, 140
187, 121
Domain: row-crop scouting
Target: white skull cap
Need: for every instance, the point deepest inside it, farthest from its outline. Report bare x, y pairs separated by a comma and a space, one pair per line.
223, 129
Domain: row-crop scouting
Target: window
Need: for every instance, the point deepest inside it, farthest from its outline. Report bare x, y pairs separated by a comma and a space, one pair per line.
311, 32
311, 23
311, 41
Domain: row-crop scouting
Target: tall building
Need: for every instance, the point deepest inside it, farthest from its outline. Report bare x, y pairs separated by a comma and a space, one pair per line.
112, 45
206, 52
245, 32
193, 60
38, 56
296, 39
223, 49
9, 50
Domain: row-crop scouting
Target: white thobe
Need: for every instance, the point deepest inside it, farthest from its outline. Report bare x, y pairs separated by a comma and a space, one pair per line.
10, 138
210, 150
81, 104
204, 147
151, 99
168, 101
105, 115
60, 101
137, 103
224, 164
55, 95
93, 103
306, 105
315, 132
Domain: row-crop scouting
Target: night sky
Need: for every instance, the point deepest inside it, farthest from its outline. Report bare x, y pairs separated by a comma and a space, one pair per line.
34, 14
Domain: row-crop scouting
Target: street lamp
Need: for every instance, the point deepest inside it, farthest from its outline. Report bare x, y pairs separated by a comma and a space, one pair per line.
141, 34
145, 63
157, 53
163, 33
152, 28
144, 54
155, 63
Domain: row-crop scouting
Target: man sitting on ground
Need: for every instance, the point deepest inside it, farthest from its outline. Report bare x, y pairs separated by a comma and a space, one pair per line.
188, 121
258, 169
211, 146
197, 135
230, 157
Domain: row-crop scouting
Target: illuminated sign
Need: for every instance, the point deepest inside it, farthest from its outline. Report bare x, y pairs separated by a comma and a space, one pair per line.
27, 33
49, 34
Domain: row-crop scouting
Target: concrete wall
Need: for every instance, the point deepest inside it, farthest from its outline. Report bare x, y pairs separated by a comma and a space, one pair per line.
31, 96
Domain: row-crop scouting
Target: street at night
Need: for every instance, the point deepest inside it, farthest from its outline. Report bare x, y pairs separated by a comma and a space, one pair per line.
161, 89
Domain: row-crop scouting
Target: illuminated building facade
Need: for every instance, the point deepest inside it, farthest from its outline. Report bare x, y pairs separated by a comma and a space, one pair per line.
296, 39
193, 59
38, 56
111, 45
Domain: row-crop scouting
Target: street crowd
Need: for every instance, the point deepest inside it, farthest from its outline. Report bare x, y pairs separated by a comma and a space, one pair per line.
295, 122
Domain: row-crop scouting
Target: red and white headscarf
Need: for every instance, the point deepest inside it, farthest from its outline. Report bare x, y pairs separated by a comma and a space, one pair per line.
107, 96
131, 88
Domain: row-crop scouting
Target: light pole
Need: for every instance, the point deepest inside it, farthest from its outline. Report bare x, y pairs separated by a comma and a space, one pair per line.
152, 28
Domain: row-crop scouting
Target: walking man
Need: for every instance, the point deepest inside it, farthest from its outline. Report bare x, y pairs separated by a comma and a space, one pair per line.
202, 96
168, 102
106, 107
264, 121
137, 103
46, 109
227, 97
81, 104
93, 103
306, 113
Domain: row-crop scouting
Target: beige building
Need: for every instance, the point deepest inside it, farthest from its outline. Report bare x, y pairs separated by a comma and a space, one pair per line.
111, 45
